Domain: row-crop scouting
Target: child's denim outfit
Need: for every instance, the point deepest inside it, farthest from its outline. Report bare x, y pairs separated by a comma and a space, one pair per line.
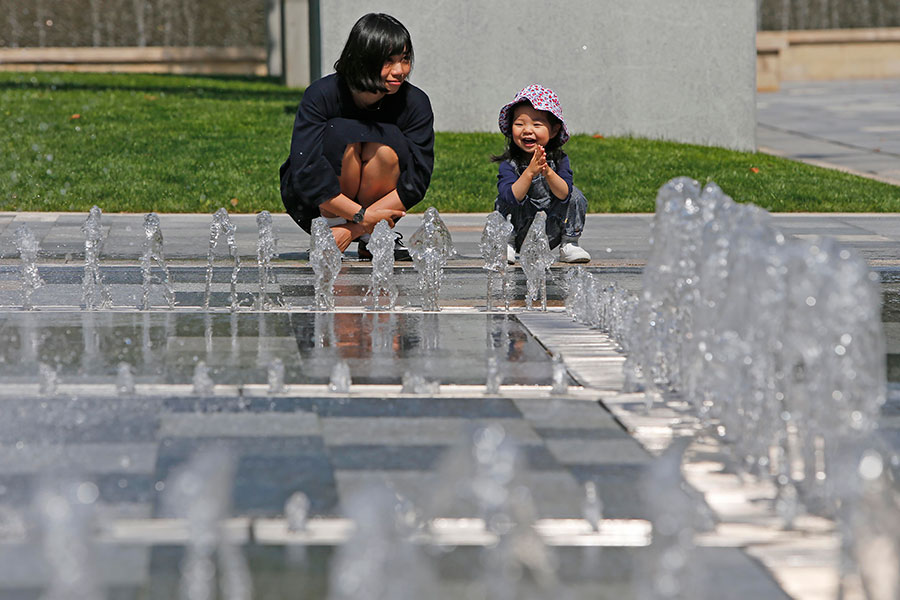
565, 217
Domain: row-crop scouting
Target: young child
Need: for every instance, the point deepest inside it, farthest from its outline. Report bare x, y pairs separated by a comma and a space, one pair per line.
534, 174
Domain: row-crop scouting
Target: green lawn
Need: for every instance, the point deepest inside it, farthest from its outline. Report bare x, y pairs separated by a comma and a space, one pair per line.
140, 143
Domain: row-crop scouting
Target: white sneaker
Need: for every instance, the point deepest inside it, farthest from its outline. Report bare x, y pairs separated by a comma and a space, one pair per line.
572, 253
510, 254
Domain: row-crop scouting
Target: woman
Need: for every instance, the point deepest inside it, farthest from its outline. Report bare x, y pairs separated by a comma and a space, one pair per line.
362, 149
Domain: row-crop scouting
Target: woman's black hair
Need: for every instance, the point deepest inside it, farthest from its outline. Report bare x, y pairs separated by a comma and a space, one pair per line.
374, 38
520, 157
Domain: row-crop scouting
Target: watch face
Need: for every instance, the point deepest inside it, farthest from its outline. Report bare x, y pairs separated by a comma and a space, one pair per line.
358, 217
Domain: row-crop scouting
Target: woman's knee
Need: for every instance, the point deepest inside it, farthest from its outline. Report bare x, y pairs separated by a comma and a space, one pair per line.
353, 151
382, 154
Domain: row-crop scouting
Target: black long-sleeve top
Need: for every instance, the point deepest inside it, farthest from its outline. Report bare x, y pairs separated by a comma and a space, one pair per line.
309, 177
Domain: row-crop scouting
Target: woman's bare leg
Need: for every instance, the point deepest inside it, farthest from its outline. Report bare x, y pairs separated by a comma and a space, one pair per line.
351, 170
369, 175
379, 174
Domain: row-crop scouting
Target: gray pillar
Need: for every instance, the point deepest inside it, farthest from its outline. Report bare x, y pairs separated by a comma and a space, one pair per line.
273, 38
295, 39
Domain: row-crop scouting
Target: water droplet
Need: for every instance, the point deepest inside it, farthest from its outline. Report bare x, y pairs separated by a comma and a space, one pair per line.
87, 493
871, 465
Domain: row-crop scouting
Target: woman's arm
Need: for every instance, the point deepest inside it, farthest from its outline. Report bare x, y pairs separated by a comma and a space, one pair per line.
417, 126
309, 174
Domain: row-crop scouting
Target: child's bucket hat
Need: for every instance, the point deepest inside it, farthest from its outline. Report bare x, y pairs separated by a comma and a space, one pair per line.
540, 98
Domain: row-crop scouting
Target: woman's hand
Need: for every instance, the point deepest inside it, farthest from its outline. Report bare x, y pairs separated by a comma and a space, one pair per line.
375, 214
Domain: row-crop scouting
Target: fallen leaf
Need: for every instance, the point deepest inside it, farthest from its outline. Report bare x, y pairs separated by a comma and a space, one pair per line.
234, 201
597, 136
149, 97
754, 169
75, 116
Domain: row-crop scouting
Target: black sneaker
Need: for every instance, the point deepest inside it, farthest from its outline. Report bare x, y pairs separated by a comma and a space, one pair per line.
362, 251
401, 252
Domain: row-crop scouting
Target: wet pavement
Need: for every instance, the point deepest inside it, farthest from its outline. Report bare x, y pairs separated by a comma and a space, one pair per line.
335, 445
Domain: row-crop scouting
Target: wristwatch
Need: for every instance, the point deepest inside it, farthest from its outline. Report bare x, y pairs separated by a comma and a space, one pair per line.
358, 217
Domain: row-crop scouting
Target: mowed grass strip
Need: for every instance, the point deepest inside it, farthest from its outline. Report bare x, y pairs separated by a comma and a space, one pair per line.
164, 143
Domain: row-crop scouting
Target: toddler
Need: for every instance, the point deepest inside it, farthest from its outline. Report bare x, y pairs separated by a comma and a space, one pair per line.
534, 174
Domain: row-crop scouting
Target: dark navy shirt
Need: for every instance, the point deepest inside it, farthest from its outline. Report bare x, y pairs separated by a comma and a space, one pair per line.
539, 193
309, 177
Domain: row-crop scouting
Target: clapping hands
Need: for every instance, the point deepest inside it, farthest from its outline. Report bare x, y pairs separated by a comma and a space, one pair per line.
538, 164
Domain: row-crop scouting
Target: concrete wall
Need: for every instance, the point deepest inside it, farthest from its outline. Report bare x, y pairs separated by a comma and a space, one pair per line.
681, 70
826, 54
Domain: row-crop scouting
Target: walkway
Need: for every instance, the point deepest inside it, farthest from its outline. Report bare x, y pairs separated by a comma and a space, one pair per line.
848, 125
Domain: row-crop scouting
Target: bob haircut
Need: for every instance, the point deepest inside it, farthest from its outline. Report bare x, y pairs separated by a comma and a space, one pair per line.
374, 39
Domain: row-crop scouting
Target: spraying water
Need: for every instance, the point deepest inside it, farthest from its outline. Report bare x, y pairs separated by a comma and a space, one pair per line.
379, 562
201, 492
325, 259
560, 375
28, 250
416, 383
222, 225
340, 378
494, 376
153, 252
65, 510
592, 506
92, 282
483, 476
266, 250
275, 376
124, 379
536, 259
493, 249
873, 529
381, 245
48, 380
777, 343
296, 511
203, 383
430, 247
676, 520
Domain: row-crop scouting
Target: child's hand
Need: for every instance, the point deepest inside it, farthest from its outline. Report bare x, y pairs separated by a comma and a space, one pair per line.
538, 164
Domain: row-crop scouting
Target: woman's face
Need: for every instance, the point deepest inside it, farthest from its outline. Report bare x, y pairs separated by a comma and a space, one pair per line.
395, 71
532, 127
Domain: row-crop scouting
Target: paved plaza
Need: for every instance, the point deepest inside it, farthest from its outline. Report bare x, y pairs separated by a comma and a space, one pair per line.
333, 445
849, 125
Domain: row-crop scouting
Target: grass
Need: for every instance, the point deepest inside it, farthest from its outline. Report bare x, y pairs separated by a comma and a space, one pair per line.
140, 143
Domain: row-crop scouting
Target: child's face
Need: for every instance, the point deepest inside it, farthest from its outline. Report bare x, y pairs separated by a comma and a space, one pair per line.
532, 127
395, 71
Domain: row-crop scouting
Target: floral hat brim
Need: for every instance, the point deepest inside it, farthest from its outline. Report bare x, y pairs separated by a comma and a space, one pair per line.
540, 98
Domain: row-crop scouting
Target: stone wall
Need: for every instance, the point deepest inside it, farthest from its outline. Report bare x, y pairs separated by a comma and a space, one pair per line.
827, 54
681, 70
95, 23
